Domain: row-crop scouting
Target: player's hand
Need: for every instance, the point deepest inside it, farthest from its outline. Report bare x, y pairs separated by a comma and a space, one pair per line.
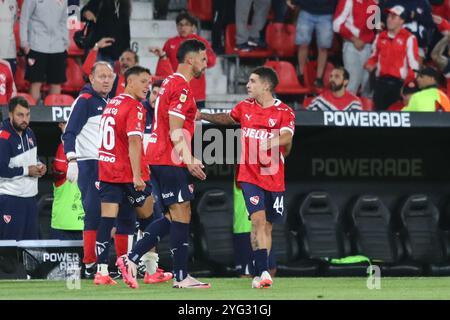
90, 16
198, 116
369, 67
42, 169
358, 43
195, 168
290, 4
157, 51
72, 171
33, 171
139, 184
26, 50
436, 19
105, 42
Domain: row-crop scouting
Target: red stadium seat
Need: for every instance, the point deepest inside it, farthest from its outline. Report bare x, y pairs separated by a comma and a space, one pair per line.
19, 77
230, 44
367, 103
202, 9
27, 97
288, 81
58, 100
73, 48
74, 74
280, 38
310, 73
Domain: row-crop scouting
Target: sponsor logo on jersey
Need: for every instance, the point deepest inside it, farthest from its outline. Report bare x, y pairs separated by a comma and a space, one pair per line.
257, 133
140, 199
110, 159
7, 218
254, 200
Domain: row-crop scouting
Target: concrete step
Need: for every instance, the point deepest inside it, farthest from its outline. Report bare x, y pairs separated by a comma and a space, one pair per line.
153, 29
141, 45
142, 10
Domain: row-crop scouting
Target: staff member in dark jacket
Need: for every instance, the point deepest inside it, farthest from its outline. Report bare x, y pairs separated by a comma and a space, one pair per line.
111, 19
19, 173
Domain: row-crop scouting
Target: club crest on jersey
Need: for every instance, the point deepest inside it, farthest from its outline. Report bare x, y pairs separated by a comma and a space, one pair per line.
183, 97
272, 122
140, 115
30, 141
254, 200
7, 218
191, 188
97, 185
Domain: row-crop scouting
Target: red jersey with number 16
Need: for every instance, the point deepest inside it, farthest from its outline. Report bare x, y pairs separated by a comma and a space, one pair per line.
264, 169
122, 117
175, 98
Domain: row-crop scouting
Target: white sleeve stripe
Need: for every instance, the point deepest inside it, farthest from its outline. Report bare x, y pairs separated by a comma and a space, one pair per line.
176, 114
287, 129
134, 133
342, 17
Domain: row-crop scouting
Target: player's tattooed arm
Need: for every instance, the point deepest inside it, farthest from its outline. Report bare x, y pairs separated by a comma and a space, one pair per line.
218, 118
438, 53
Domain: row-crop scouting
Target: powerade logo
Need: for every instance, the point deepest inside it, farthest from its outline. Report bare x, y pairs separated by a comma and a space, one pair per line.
366, 119
60, 113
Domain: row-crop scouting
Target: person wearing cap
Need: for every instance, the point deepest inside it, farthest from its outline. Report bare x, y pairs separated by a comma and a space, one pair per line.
395, 54
406, 93
429, 98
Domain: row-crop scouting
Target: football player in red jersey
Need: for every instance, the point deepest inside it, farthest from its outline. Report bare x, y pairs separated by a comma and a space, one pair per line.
267, 130
123, 173
172, 165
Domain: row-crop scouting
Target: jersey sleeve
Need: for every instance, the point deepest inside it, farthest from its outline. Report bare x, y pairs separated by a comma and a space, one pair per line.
135, 121
177, 105
236, 113
288, 122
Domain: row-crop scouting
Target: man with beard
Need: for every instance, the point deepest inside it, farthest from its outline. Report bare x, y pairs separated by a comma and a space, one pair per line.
19, 173
338, 98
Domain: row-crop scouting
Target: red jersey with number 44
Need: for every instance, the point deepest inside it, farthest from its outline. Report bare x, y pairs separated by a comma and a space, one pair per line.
122, 117
264, 169
175, 98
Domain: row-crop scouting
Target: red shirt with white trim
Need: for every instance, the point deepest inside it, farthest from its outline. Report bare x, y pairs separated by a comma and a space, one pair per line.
7, 86
264, 169
122, 117
395, 56
351, 19
175, 98
327, 101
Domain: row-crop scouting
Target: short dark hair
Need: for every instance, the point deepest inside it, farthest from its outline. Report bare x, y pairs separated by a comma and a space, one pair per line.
18, 100
267, 74
157, 83
136, 57
186, 16
344, 71
137, 70
188, 46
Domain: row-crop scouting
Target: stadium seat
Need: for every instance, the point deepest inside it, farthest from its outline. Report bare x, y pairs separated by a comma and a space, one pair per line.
27, 97
425, 240
201, 9
58, 100
19, 77
230, 44
75, 80
310, 74
280, 38
375, 236
322, 225
73, 50
367, 103
214, 210
288, 81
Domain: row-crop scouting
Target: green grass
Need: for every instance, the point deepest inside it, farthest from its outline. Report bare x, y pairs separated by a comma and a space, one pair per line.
236, 289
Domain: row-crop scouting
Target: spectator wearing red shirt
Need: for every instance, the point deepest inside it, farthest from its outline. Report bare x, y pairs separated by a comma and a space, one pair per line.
185, 27
350, 21
338, 98
7, 86
394, 56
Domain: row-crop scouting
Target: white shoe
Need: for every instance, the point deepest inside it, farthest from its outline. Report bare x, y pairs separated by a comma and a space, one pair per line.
191, 283
266, 280
255, 282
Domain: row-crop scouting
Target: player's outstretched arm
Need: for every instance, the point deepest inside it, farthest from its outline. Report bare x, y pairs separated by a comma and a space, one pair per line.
283, 140
438, 53
218, 118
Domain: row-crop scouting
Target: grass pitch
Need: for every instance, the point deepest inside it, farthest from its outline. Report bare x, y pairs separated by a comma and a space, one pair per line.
235, 289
